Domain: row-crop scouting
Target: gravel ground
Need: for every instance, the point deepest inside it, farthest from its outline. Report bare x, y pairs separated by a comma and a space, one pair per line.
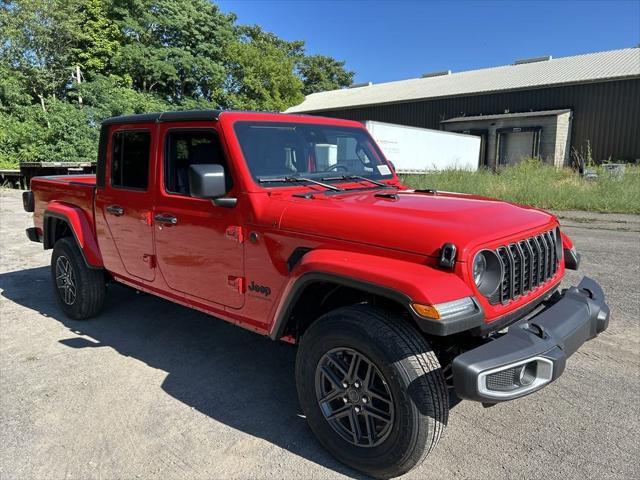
150, 389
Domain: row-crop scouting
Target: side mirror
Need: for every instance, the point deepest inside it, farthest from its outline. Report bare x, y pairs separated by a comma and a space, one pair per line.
207, 180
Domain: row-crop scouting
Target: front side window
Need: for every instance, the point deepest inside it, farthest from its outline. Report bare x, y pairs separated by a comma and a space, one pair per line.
184, 148
276, 150
130, 159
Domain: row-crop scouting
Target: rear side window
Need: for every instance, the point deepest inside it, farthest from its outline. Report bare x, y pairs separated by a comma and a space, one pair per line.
130, 159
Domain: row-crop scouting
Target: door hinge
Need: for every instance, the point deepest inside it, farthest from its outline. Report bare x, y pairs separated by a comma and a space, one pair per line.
149, 260
236, 283
236, 233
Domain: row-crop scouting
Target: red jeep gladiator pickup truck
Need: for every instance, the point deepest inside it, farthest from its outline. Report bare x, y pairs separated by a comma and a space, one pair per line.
298, 228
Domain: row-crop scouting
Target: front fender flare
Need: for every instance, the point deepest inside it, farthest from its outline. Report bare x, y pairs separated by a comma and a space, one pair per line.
399, 280
80, 227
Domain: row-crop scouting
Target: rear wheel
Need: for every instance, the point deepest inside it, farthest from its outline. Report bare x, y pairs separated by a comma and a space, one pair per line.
80, 290
372, 390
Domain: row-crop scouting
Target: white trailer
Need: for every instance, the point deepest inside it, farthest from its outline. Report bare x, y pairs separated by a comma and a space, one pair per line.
419, 150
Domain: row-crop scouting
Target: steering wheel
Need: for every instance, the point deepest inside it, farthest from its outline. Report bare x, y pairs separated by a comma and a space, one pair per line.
336, 167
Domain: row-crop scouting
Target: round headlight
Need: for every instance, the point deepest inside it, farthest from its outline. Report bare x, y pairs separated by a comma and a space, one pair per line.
479, 267
559, 243
487, 272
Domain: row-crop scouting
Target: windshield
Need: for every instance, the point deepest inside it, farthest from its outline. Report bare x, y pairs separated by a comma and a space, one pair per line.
282, 150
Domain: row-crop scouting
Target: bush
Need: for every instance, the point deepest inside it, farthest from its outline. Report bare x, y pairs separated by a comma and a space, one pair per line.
543, 186
62, 134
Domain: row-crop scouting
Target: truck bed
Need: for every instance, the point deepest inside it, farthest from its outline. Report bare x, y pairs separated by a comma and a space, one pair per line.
76, 190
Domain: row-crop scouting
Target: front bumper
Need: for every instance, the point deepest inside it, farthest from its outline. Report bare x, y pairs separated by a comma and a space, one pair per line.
534, 351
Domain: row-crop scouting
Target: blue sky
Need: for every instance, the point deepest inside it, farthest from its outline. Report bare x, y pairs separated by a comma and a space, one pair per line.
391, 40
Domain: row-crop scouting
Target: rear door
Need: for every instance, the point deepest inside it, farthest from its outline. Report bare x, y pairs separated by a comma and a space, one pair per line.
126, 201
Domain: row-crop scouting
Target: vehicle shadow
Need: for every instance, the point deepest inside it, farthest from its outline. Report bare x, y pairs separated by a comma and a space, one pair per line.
236, 377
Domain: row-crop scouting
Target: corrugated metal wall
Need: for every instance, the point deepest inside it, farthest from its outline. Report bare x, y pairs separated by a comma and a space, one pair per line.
606, 114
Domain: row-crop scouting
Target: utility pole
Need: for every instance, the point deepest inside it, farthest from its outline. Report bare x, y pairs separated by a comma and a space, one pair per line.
78, 78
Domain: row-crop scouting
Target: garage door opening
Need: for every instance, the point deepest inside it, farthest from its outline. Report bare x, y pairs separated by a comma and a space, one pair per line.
516, 144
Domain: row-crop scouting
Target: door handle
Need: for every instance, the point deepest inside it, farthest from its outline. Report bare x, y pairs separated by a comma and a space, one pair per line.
115, 210
165, 218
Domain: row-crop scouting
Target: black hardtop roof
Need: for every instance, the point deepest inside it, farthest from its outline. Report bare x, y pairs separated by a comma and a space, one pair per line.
176, 116
185, 116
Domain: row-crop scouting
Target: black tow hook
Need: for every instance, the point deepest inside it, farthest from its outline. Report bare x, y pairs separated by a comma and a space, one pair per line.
536, 329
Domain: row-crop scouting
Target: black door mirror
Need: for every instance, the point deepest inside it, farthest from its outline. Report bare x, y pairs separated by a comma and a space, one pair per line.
207, 180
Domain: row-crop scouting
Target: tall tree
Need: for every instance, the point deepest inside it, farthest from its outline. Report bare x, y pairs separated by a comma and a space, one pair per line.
260, 71
320, 73
36, 39
134, 56
97, 37
173, 48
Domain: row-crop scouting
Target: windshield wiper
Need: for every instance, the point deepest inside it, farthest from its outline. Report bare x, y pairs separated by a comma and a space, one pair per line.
299, 179
358, 177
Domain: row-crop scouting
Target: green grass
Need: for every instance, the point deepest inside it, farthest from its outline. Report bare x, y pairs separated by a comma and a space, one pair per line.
532, 183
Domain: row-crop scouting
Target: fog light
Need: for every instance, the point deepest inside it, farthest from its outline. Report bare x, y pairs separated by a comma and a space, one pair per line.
516, 379
528, 374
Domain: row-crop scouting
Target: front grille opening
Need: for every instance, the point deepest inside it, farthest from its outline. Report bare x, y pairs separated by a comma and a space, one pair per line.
505, 380
528, 264
513, 378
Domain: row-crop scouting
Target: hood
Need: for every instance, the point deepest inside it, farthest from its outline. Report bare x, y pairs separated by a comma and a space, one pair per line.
412, 221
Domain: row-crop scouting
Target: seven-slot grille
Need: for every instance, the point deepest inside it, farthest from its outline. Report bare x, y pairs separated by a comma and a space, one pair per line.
527, 264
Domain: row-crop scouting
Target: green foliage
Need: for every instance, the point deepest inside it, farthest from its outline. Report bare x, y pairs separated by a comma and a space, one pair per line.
543, 186
97, 38
172, 48
261, 76
109, 96
321, 73
62, 133
136, 56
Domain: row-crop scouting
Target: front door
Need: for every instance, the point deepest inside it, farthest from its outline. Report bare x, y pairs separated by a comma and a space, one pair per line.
127, 198
199, 245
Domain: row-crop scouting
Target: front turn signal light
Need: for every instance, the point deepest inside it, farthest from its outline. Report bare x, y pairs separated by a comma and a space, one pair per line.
427, 311
440, 311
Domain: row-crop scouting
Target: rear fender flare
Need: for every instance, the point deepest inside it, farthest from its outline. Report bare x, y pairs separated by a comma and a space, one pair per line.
80, 227
398, 280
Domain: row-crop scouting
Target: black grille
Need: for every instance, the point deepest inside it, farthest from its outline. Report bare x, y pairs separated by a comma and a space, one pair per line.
504, 380
527, 264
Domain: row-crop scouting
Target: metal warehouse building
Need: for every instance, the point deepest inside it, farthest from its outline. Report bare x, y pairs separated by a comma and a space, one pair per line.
536, 107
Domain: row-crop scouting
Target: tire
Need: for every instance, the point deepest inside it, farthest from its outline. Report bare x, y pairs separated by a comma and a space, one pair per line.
80, 290
414, 416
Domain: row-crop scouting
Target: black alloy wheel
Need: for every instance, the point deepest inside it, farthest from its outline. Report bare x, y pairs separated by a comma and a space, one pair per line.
354, 397
79, 288
65, 280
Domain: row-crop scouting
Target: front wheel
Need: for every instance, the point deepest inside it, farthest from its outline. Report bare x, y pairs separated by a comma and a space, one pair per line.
372, 390
80, 290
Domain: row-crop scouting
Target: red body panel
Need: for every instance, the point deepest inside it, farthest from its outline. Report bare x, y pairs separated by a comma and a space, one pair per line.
206, 260
70, 198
